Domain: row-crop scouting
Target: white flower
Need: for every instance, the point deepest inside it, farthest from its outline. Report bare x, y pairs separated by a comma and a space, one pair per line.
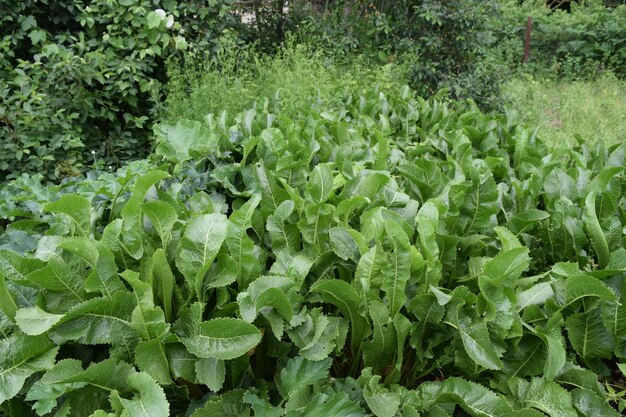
169, 22
93, 152
160, 13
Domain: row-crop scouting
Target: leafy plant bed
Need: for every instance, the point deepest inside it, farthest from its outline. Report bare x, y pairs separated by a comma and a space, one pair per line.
392, 256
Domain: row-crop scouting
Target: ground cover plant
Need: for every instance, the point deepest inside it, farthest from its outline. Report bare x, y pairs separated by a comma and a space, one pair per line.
386, 255
593, 109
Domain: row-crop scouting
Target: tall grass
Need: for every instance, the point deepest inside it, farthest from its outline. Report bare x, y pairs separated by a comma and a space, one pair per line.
298, 75
595, 110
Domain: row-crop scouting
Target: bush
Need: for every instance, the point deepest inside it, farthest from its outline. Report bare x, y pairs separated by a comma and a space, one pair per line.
581, 44
441, 44
83, 76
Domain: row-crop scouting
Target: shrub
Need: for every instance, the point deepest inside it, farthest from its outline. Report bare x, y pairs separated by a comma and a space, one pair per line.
82, 77
580, 44
441, 44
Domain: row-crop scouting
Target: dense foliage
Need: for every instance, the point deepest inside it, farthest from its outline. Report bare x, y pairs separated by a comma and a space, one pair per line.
580, 44
386, 256
81, 77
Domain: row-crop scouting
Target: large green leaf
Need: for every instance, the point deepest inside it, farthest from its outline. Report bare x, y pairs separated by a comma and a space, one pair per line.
398, 270
588, 335
592, 405
199, 246
151, 357
211, 372
594, 230
507, 266
163, 282
547, 396
20, 357
34, 321
180, 141
75, 207
344, 296
241, 247
163, 217
96, 320
300, 373
148, 399
473, 398
131, 213
378, 353
478, 345
223, 338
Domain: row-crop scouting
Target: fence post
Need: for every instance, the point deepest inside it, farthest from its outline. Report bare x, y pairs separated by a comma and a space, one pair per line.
529, 26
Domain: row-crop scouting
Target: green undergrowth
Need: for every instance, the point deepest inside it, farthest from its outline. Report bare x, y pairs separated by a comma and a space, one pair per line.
299, 75
594, 110
378, 254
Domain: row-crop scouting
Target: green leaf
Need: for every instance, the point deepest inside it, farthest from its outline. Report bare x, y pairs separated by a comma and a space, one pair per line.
76, 208
368, 271
147, 320
381, 401
20, 357
37, 36
577, 377
151, 357
474, 398
535, 295
555, 358
578, 287
320, 185
230, 404
558, 183
82, 247
223, 272
241, 247
542, 395
34, 321
7, 303
223, 338
163, 282
104, 278
507, 266
96, 320
316, 335
163, 218
282, 234
343, 244
211, 372
478, 346
300, 373
131, 213
336, 405
199, 246
398, 269
344, 296
591, 405
149, 399
58, 276
596, 235
588, 335
276, 299
178, 143
378, 353
109, 374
